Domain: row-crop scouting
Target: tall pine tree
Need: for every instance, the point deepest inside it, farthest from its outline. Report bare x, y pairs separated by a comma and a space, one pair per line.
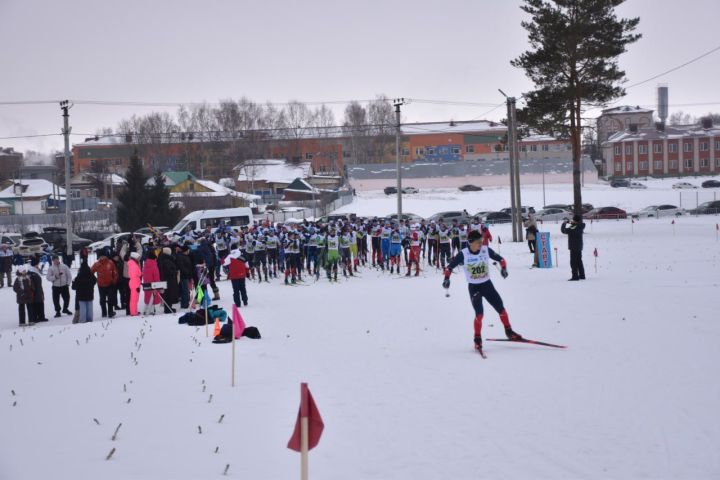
158, 211
575, 45
133, 200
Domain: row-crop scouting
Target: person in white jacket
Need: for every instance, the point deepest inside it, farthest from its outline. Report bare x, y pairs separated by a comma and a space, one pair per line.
59, 275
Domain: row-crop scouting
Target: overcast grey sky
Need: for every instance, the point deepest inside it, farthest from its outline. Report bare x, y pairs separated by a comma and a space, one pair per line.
313, 50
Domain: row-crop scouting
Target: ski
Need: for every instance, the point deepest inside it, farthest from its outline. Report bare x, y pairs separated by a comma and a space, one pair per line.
525, 340
482, 354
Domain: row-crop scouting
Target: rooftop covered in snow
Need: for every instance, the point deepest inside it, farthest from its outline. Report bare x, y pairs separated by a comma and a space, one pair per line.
272, 171
671, 132
31, 188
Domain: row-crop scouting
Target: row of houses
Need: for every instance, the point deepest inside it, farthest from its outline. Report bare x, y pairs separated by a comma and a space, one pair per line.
257, 182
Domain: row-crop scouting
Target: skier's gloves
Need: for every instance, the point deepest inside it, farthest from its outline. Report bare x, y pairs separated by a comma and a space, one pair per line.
504, 272
446, 283
503, 263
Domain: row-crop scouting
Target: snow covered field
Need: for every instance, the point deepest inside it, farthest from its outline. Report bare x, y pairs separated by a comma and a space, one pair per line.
391, 366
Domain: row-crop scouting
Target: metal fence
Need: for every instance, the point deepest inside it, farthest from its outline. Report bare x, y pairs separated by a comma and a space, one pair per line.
93, 220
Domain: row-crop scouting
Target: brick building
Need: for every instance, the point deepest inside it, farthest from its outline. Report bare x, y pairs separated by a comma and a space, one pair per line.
663, 151
10, 163
327, 150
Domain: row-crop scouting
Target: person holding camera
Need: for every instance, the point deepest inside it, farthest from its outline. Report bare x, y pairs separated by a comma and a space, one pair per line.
475, 260
574, 231
59, 276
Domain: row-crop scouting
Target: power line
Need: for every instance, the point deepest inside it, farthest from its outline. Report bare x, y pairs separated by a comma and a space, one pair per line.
675, 68
32, 136
495, 107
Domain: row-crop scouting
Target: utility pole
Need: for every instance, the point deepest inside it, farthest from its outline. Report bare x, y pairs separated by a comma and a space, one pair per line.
515, 158
397, 103
513, 206
65, 107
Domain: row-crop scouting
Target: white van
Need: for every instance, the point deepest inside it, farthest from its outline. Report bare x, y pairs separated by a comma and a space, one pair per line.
200, 219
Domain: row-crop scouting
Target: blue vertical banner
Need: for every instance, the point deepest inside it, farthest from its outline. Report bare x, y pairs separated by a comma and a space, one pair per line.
544, 250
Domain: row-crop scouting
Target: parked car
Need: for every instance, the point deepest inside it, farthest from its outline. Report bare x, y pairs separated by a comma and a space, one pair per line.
149, 231
707, 208
605, 212
448, 217
53, 235
711, 184
470, 188
637, 185
680, 185
524, 211
586, 207
657, 211
107, 242
30, 244
11, 239
553, 214
390, 190
405, 216
564, 206
620, 182
492, 218
410, 190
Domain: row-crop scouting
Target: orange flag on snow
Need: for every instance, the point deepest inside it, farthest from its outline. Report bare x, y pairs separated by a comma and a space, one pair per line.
238, 322
308, 410
216, 332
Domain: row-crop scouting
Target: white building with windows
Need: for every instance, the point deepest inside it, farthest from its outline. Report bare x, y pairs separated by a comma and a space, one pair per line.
28, 196
618, 119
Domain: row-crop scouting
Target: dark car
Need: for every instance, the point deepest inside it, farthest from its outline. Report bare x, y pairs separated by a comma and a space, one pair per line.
390, 190
492, 218
470, 188
707, 208
620, 182
605, 213
711, 184
58, 235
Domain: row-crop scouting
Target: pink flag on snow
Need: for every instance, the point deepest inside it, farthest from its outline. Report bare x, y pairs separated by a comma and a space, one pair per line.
238, 322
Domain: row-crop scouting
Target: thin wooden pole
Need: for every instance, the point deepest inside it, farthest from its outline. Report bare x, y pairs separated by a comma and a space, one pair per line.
207, 332
232, 383
304, 448
304, 430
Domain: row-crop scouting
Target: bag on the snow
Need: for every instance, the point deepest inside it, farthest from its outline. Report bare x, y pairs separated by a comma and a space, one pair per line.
252, 332
226, 333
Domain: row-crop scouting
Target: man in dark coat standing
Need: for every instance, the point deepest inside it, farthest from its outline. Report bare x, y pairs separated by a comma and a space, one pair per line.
168, 273
575, 244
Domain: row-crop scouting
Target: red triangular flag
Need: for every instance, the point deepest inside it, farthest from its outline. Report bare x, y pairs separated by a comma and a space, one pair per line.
238, 322
717, 226
315, 424
595, 252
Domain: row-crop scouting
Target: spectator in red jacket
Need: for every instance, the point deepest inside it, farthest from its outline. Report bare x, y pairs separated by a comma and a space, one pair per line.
237, 272
107, 278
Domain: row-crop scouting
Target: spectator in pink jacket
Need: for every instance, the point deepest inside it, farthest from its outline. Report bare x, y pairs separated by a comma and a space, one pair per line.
134, 282
151, 273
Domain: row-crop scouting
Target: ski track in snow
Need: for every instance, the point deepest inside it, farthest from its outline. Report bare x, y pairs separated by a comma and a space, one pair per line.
391, 366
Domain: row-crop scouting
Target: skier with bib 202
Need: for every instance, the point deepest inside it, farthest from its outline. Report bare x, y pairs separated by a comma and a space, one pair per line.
475, 259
